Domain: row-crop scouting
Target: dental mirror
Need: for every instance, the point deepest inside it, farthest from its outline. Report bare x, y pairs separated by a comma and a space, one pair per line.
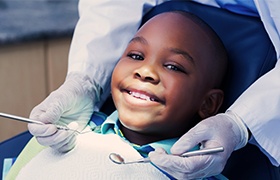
118, 159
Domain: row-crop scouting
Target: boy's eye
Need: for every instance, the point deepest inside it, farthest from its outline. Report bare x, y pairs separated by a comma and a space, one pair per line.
174, 68
135, 56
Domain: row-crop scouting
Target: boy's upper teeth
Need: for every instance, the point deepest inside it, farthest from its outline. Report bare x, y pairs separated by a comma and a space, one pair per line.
141, 96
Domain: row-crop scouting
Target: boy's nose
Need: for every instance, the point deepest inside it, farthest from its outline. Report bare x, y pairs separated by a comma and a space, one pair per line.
147, 73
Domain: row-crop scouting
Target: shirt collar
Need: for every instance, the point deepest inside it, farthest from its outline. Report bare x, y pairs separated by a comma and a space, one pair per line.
111, 126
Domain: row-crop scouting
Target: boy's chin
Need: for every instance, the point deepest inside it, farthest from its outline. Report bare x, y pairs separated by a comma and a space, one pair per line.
137, 121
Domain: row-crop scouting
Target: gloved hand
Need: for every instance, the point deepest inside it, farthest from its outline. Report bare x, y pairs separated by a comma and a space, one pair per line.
73, 101
225, 130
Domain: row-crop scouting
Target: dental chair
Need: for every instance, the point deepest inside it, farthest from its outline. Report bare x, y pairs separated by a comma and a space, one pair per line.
251, 55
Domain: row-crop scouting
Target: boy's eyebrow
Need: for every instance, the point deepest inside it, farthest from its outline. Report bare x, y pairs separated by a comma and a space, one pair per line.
139, 39
183, 53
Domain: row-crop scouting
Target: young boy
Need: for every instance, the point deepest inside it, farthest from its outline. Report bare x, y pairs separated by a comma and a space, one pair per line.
166, 81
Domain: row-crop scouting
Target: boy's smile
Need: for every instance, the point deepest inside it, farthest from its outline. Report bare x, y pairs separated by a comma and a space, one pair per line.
137, 96
142, 95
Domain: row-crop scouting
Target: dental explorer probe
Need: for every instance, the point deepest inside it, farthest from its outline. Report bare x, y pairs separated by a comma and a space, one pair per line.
23, 119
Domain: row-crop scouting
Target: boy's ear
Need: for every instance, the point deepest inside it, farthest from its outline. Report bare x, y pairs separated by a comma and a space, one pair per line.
211, 103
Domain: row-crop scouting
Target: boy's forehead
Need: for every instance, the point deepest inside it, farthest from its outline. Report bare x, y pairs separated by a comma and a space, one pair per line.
172, 22
170, 18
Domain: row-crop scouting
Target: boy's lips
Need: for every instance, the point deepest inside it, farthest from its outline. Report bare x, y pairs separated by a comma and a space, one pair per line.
143, 95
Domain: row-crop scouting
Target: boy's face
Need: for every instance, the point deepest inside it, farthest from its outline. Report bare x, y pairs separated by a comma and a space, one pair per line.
160, 81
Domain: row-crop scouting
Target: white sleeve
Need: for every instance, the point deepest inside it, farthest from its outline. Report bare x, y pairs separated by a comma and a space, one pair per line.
101, 35
259, 106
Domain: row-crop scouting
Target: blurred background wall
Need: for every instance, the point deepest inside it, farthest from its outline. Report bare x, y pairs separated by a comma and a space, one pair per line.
35, 37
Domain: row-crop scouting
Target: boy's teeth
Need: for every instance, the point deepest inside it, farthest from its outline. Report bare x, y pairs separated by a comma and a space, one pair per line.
141, 96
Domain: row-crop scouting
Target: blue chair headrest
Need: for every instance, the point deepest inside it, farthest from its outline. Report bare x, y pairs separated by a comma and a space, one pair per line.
251, 53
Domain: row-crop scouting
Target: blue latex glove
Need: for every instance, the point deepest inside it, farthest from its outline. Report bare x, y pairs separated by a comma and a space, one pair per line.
225, 130
72, 102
